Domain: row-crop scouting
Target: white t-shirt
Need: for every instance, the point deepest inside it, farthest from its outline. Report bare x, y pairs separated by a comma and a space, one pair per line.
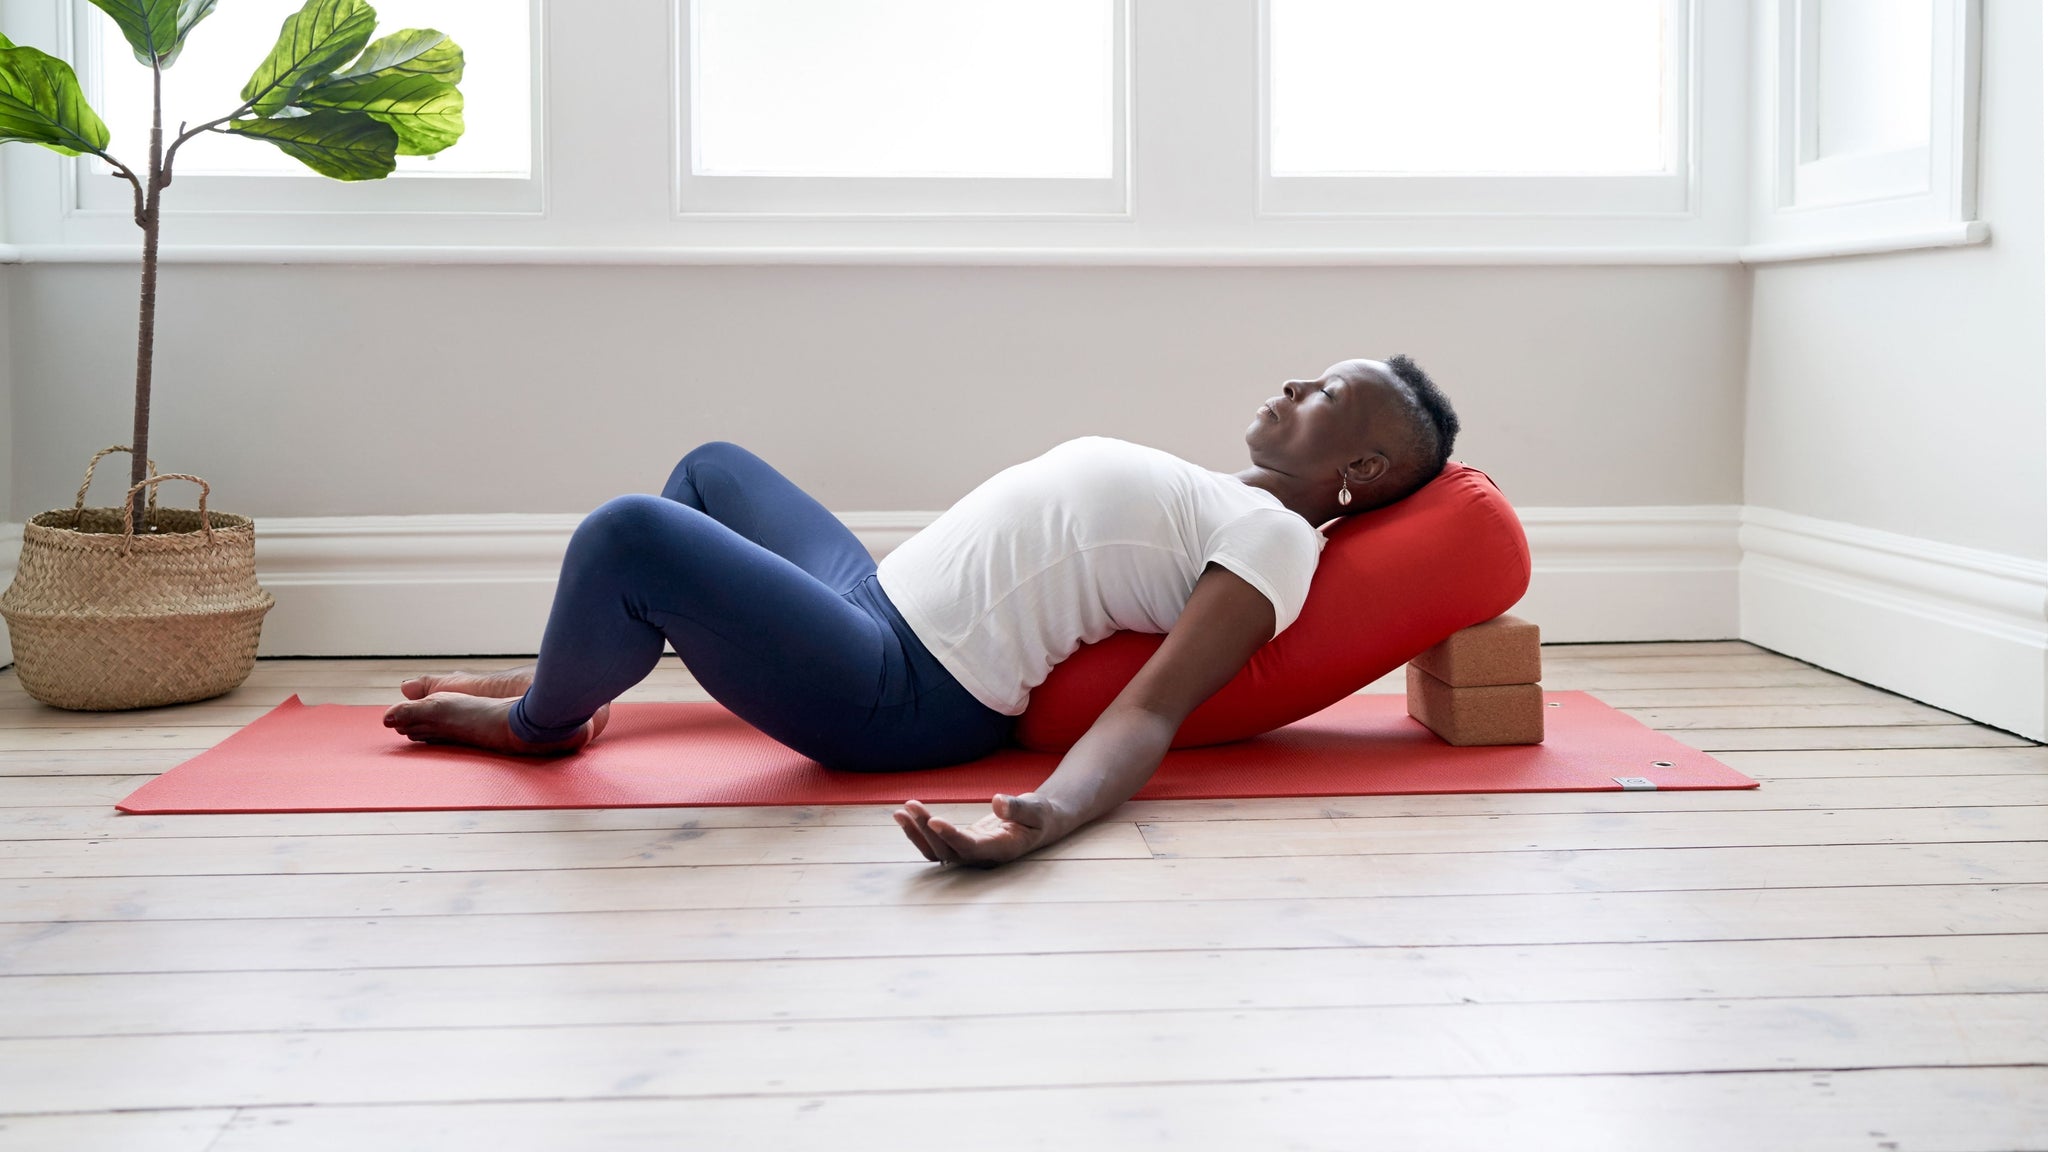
1094, 537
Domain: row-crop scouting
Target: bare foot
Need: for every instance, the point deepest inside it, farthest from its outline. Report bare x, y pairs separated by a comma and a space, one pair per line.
510, 682
480, 722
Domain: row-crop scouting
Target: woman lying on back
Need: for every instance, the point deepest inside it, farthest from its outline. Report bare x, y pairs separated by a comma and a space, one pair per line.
779, 612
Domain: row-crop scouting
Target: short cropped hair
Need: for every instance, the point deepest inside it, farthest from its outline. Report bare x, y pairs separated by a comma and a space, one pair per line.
1434, 426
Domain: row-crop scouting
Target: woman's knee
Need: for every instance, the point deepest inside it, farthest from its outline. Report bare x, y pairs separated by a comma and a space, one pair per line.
718, 454
624, 523
721, 454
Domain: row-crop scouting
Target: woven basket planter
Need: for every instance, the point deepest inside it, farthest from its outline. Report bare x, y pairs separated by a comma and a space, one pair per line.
104, 618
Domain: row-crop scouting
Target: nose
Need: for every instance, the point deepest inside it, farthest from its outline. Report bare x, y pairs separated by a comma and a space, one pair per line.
1292, 389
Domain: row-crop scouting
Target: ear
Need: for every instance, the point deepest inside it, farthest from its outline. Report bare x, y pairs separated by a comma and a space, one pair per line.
1367, 469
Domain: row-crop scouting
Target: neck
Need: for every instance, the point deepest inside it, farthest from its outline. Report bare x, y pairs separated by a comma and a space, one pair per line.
1297, 495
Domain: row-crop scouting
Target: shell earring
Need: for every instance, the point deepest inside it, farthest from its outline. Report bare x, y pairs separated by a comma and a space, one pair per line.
1344, 493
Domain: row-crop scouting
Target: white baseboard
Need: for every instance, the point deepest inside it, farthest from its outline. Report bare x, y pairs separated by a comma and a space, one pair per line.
1957, 628
472, 585
1649, 573
436, 585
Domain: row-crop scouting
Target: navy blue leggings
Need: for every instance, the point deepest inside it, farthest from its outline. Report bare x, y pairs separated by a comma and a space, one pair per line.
774, 606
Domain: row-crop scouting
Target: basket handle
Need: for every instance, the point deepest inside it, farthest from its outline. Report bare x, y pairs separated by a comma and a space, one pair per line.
128, 510
79, 507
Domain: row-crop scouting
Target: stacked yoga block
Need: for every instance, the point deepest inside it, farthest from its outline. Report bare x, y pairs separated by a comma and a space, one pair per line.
1480, 686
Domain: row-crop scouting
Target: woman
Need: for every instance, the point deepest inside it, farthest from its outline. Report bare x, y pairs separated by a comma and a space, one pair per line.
927, 660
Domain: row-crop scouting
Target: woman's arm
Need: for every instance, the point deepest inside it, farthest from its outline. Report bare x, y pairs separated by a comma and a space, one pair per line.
1224, 623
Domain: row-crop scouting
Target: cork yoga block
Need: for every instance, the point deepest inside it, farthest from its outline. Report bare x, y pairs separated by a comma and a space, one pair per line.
1504, 650
1488, 714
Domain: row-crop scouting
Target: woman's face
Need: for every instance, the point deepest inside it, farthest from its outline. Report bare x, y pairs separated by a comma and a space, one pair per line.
1351, 417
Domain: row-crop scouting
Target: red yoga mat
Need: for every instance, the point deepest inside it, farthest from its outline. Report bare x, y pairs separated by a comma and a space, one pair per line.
341, 758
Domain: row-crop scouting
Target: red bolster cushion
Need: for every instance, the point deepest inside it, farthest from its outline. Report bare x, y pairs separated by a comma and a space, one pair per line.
1391, 583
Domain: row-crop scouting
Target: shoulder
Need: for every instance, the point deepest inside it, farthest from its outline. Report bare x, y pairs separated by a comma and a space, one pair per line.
1106, 457
1108, 446
1271, 529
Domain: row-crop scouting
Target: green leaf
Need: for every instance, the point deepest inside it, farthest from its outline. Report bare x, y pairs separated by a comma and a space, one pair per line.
343, 145
41, 103
426, 112
156, 29
5, 42
407, 80
314, 42
418, 51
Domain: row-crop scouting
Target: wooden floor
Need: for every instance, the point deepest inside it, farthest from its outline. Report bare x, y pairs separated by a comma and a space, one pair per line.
1854, 956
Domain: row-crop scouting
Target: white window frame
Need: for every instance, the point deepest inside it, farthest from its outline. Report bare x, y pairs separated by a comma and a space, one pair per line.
709, 197
608, 185
88, 193
1901, 191
1674, 193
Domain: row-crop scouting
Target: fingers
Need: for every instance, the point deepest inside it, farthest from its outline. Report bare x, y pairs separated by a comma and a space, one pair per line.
943, 848
908, 823
915, 819
959, 846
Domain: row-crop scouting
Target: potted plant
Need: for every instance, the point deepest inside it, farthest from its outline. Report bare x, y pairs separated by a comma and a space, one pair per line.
137, 606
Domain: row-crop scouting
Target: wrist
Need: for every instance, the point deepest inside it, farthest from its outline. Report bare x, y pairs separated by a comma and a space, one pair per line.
1061, 817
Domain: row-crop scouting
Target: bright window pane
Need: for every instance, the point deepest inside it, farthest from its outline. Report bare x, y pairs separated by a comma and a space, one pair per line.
986, 88
1876, 71
218, 59
1467, 87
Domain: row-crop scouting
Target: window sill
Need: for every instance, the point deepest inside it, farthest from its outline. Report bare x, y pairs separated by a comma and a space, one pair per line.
940, 256
1957, 235
1964, 234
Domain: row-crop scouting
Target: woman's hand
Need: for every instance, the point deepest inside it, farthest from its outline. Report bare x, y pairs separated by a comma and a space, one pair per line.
1014, 826
1224, 623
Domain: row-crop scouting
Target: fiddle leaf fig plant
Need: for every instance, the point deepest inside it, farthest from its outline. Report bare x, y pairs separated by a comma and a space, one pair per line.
328, 96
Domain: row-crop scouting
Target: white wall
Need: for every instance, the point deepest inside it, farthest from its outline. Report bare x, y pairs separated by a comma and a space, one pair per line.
1905, 392
327, 391
1898, 410
9, 426
417, 442
10, 540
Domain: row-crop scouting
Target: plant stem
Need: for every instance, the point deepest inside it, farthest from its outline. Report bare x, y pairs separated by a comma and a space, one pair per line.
121, 172
183, 136
145, 341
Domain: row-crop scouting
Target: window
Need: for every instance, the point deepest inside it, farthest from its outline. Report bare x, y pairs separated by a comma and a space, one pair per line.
1006, 131
903, 105
1363, 96
1467, 87
1862, 107
216, 172
1871, 117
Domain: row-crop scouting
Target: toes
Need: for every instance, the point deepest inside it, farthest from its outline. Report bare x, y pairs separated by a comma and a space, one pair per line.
417, 687
407, 715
